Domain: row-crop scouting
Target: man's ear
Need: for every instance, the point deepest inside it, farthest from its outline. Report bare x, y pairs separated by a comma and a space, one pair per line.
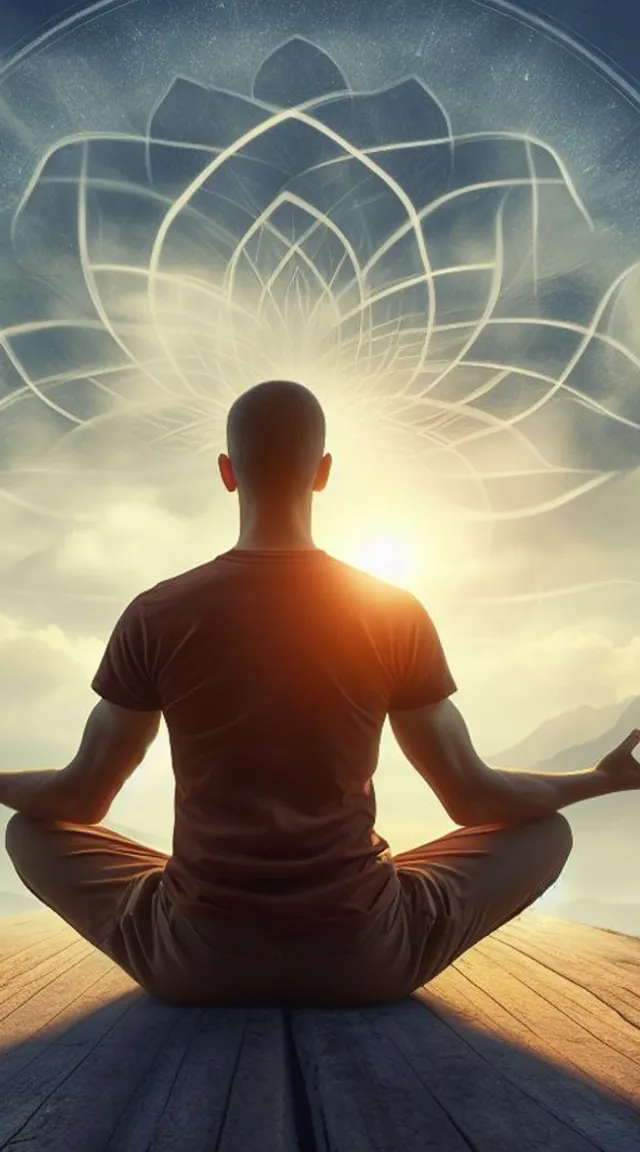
322, 475
226, 472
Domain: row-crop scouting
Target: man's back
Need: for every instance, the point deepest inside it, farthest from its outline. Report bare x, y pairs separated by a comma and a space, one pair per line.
275, 671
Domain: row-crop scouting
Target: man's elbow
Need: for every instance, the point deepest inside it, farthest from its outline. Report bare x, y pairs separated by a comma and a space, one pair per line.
93, 818
85, 812
93, 810
474, 809
467, 817
78, 806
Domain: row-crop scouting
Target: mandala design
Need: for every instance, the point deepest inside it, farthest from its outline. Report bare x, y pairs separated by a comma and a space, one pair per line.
351, 240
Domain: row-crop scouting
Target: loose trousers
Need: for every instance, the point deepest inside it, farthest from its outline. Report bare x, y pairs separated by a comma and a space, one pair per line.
451, 893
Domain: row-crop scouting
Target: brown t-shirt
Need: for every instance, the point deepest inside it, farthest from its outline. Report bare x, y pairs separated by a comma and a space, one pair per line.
275, 672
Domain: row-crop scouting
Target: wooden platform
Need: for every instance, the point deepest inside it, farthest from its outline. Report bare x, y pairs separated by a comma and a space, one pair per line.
530, 1041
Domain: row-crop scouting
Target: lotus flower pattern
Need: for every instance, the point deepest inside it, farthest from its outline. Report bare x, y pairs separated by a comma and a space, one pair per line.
352, 240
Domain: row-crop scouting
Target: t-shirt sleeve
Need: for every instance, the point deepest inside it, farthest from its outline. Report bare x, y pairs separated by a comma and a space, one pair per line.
124, 676
421, 675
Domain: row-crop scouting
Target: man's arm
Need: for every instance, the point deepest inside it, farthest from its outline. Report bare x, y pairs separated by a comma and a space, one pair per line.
42, 793
518, 796
516, 790
435, 739
114, 742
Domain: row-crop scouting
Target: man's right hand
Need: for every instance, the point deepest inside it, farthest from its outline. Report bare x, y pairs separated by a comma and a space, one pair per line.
619, 767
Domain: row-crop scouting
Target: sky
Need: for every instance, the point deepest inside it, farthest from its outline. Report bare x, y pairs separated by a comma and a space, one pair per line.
442, 240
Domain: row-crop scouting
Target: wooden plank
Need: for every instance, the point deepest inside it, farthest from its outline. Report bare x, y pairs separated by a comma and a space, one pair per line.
41, 915
512, 1047
581, 1005
263, 1078
558, 1037
30, 997
492, 1111
519, 1044
618, 953
249, 1106
33, 968
607, 940
74, 1093
17, 933
32, 1069
37, 1017
144, 1114
362, 1095
607, 982
199, 1099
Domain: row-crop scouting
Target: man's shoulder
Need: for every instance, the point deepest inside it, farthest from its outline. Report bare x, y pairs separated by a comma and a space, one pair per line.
372, 589
363, 586
173, 588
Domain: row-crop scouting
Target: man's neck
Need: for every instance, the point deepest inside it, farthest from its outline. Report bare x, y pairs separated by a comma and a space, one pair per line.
256, 543
273, 530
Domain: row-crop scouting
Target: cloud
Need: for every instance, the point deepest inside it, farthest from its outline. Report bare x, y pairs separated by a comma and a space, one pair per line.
44, 677
510, 687
41, 659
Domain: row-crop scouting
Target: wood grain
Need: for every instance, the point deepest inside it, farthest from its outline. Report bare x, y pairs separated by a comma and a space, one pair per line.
530, 1040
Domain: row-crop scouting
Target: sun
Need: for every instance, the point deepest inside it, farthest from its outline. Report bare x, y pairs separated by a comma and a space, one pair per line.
388, 557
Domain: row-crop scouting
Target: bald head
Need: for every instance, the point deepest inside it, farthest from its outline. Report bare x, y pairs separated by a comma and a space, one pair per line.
275, 438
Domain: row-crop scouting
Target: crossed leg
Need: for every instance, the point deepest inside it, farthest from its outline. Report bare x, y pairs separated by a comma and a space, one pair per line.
87, 874
455, 891
460, 888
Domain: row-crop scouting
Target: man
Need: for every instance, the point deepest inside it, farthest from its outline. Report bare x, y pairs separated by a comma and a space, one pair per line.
275, 666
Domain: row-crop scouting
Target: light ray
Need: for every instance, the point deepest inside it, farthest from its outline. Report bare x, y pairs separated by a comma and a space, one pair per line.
333, 272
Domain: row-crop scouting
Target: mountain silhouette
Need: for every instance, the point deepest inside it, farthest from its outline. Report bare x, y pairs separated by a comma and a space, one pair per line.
587, 754
551, 739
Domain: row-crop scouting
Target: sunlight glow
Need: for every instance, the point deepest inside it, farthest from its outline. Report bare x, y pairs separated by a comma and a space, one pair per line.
419, 275
388, 557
